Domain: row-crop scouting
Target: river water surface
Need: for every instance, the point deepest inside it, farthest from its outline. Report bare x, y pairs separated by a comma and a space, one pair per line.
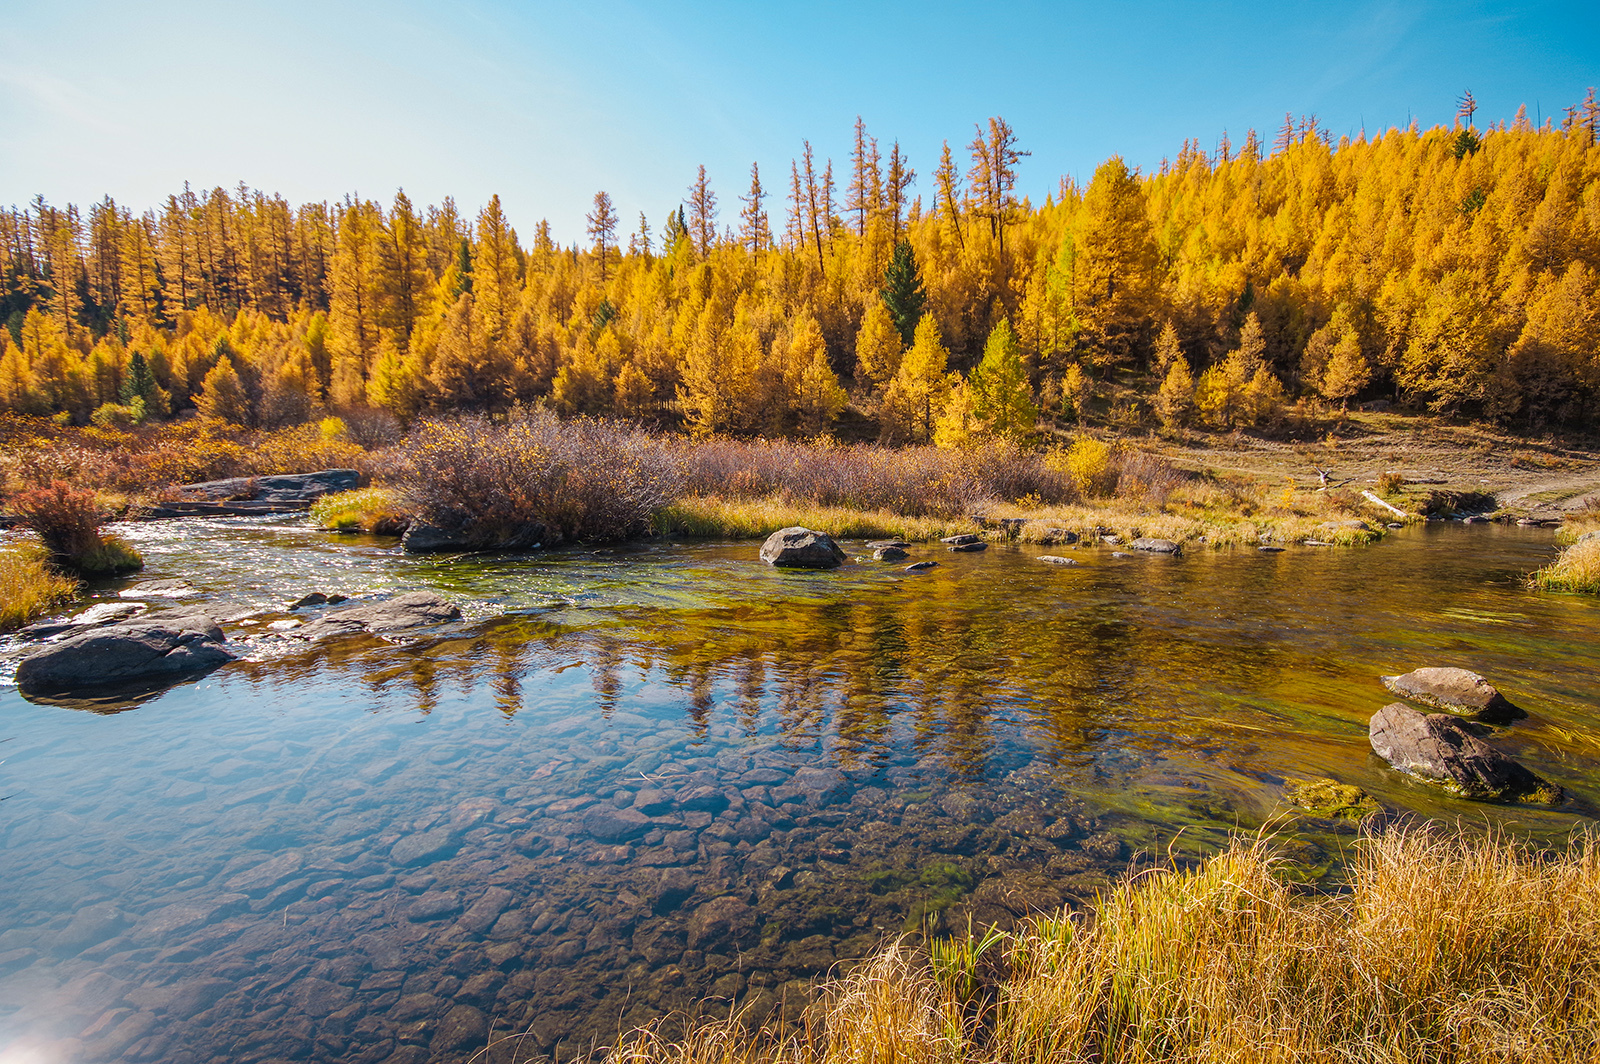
670, 779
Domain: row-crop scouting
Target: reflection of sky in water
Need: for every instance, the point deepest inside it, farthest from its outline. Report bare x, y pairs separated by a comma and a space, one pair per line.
526, 822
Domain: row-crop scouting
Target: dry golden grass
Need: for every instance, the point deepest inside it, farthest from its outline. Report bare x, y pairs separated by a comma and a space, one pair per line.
28, 587
701, 515
1444, 949
1576, 568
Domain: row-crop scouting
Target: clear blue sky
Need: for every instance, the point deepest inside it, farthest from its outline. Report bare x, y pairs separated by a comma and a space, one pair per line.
546, 103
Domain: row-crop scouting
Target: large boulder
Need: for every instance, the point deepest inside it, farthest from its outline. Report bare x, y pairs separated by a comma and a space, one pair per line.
289, 487
455, 533
801, 548
414, 609
166, 646
1436, 747
1457, 690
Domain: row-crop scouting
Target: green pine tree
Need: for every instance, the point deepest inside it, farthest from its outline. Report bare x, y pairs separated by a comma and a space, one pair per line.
902, 292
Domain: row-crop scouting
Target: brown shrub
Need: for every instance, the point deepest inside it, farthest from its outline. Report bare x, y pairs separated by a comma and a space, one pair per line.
68, 521
581, 480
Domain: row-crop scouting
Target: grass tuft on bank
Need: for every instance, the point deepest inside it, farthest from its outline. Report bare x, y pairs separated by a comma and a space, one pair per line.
376, 510
28, 586
1576, 568
1444, 949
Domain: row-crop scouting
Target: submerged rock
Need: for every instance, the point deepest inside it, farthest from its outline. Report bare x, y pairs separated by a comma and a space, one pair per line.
801, 548
1331, 799
1156, 546
1458, 690
727, 922
1436, 748
919, 567
167, 646
414, 609
172, 589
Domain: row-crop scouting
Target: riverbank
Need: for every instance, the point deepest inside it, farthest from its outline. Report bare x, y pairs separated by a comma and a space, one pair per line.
1441, 947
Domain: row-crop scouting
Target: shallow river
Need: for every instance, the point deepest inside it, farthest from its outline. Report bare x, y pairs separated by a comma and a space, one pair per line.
634, 783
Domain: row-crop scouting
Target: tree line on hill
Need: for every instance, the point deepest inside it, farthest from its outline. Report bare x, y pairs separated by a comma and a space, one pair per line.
1455, 269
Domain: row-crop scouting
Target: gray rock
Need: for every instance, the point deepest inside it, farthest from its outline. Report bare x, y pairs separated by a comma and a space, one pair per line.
1057, 536
879, 544
889, 554
172, 589
610, 824
1436, 748
963, 538
463, 1027
801, 548
486, 910
423, 846
1270, 550
1156, 546
433, 905
652, 801
317, 598
263, 877
1457, 690
97, 616
90, 926
1056, 559
722, 922
414, 609
918, 567
160, 648
970, 548
288, 487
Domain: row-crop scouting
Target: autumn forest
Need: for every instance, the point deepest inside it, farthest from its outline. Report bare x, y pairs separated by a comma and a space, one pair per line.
1453, 270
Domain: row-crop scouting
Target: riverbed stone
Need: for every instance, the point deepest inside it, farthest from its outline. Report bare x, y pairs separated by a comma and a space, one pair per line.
889, 554
423, 846
169, 589
89, 926
610, 824
1436, 748
137, 651
960, 540
1152, 545
970, 548
97, 616
1056, 559
414, 609
433, 905
880, 544
1456, 690
727, 922
921, 567
801, 548
463, 1027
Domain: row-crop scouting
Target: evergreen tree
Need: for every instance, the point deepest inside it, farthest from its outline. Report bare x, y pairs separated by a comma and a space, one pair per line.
902, 291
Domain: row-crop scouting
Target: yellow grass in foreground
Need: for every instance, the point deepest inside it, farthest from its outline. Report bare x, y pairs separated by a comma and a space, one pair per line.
1577, 568
28, 587
1446, 950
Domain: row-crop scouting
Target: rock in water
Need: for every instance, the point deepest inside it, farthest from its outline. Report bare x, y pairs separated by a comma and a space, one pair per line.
957, 541
1436, 748
1056, 559
1156, 546
1457, 690
414, 609
163, 647
970, 548
889, 554
801, 548
920, 567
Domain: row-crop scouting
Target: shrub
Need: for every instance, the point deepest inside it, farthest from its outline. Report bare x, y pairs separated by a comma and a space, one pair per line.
1390, 483
1088, 463
68, 522
28, 587
581, 480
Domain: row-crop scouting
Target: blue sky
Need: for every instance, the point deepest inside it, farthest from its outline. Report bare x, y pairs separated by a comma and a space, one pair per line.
547, 103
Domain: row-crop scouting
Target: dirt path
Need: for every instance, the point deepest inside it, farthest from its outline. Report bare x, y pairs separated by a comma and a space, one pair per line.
1521, 473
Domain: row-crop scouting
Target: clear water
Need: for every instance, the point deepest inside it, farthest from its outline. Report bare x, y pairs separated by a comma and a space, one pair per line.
405, 850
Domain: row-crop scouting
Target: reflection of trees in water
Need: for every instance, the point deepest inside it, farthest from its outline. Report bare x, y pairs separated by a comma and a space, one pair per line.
955, 671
